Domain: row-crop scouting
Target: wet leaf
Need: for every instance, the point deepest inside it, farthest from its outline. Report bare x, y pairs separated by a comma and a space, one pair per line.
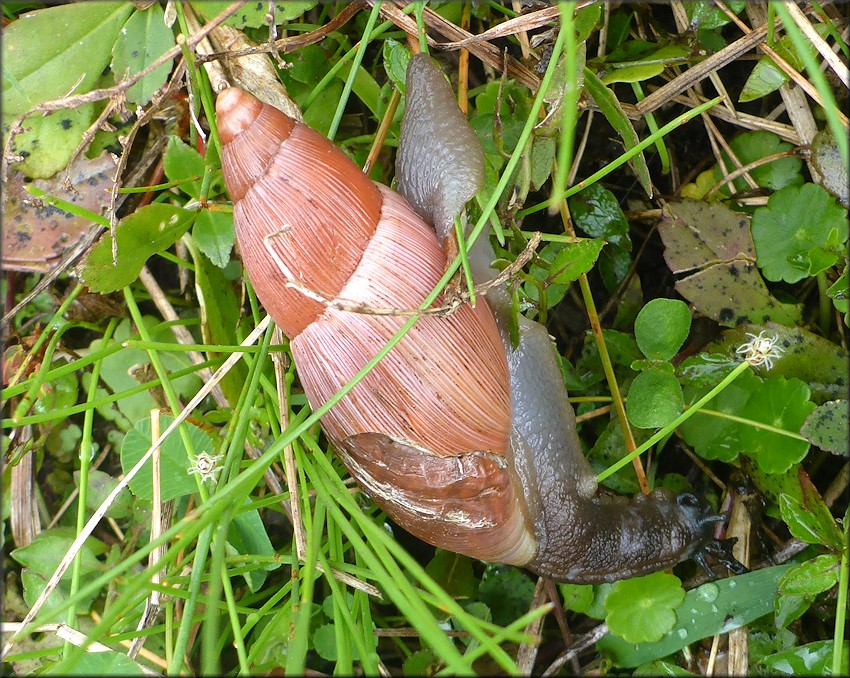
827, 427
812, 577
813, 659
641, 610
794, 222
596, 212
790, 608
143, 40
140, 235
35, 236
713, 243
809, 518
661, 328
707, 16
715, 607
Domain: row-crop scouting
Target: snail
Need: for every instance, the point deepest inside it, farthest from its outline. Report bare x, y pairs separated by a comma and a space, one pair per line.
468, 443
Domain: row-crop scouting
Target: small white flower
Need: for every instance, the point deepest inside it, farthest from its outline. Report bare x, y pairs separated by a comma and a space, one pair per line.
205, 466
761, 349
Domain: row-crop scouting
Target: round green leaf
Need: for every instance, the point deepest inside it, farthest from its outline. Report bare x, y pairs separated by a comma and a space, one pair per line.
796, 221
661, 328
641, 610
324, 640
655, 399
780, 403
577, 597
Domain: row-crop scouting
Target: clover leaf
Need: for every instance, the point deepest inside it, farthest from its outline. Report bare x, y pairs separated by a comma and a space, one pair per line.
641, 610
796, 230
782, 404
661, 328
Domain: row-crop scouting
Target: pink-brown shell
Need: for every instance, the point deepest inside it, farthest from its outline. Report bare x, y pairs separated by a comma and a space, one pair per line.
426, 431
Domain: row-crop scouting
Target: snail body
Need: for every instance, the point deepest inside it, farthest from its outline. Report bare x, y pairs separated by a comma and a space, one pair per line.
464, 441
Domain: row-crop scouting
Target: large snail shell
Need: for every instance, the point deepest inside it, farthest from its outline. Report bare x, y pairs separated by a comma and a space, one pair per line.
426, 431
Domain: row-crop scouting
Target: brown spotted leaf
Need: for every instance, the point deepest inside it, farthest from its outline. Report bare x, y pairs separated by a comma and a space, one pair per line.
809, 357
713, 246
35, 236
